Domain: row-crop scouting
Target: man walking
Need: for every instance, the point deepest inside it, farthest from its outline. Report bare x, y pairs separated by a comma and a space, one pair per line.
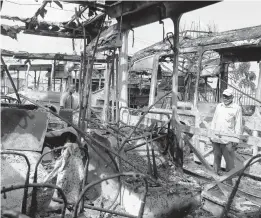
227, 118
66, 101
67, 104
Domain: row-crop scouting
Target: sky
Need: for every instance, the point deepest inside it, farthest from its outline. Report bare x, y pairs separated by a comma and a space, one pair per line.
225, 15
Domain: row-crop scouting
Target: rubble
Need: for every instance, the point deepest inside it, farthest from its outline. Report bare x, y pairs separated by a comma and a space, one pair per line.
25, 141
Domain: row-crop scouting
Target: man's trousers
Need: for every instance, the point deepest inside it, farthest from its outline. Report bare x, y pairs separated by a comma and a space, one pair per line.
226, 150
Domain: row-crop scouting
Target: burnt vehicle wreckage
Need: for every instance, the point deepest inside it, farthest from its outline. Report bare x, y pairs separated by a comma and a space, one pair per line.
115, 160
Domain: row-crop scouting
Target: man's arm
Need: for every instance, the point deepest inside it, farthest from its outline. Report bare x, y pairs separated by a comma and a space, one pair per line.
239, 121
214, 120
63, 100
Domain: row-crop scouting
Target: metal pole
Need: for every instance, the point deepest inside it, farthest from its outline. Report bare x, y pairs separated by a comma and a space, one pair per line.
80, 91
83, 81
54, 77
178, 155
51, 76
175, 62
123, 98
113, 88
105, 117
117, 87
83, 112
88, 87
153, 84
195, 102
100, 78
27, 74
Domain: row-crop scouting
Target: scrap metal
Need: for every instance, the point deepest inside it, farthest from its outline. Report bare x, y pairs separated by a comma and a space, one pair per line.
140, 120
235, 188
44, 28
34, 192
39, 185
87, 137
24, 202
87, 88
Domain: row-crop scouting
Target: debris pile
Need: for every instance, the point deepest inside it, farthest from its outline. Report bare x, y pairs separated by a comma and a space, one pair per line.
119, 161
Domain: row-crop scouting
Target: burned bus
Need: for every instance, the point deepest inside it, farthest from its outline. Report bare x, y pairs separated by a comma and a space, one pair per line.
203, 71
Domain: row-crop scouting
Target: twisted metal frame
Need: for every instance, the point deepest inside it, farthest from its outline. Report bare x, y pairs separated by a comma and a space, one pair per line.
24, 202
87, 138
40, 185
234, 190
34, 198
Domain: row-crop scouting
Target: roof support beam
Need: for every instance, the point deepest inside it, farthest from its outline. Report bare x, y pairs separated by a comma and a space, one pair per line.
53, 34
47, 56
126, 7
46, 29
87, 3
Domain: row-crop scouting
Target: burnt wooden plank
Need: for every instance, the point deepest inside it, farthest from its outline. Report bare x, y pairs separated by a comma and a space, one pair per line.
198, 154
219, 136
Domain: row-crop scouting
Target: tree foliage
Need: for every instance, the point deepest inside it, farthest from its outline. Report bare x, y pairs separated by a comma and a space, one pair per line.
242, 76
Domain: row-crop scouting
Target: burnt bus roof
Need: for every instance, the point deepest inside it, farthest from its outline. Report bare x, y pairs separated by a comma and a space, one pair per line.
244, 44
